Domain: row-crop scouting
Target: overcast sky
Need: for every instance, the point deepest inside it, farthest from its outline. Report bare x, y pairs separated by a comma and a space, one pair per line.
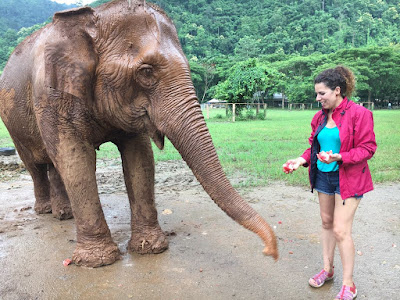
73, 1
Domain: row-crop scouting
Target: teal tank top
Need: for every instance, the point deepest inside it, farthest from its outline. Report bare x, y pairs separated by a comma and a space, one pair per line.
328, 138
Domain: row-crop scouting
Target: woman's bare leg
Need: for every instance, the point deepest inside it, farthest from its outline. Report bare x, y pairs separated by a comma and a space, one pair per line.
342, 228
327, 208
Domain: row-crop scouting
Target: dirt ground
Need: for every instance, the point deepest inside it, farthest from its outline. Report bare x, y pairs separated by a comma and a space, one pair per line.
210, 256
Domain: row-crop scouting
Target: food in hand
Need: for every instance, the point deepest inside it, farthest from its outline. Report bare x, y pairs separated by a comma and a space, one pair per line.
288, 167
324, 156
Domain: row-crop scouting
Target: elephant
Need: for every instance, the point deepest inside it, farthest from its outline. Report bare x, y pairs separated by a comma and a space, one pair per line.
115, 73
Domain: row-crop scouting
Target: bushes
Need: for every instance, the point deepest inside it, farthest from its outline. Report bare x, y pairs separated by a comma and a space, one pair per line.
244, 114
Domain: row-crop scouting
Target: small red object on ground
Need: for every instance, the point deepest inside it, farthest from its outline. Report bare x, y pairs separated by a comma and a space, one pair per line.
66, 262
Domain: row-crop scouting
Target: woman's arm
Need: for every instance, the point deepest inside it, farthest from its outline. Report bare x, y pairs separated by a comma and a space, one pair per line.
364, 140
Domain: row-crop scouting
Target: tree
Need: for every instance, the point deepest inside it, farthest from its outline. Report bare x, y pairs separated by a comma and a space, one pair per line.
377, 71
365, 24
245, 80
202, 77
247, 47
297, 75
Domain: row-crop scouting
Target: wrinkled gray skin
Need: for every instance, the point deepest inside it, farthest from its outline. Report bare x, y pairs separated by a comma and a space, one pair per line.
115, 73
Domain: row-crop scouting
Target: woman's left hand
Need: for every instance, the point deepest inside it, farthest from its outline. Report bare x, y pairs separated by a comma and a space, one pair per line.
329, 157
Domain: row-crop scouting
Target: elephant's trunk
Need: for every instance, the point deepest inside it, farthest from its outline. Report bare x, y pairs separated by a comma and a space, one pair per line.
190, 136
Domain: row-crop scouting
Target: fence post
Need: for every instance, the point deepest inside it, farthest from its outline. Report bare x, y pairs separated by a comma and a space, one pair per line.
265, 110
208, 111
233, 112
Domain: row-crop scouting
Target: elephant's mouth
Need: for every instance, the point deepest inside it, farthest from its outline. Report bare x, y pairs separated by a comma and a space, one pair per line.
153, 132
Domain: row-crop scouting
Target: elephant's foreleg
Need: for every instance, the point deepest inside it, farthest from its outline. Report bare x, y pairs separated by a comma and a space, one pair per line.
138, 167
75, 162
60, 205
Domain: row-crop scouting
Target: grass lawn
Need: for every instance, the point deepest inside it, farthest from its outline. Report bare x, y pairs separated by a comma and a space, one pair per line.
257, 149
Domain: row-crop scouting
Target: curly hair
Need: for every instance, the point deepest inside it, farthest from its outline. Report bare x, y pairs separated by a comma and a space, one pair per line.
339, 76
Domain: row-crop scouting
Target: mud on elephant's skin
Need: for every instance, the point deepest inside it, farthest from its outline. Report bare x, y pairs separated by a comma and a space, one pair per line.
115, 73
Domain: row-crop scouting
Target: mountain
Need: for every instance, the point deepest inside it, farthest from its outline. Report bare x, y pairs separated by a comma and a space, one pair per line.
19, 18
247, 28
16, 14
236, 30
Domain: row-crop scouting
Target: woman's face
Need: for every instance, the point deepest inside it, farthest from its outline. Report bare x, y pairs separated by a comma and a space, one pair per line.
328, 98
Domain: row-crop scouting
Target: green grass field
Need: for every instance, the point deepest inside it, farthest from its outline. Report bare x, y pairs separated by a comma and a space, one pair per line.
257, 149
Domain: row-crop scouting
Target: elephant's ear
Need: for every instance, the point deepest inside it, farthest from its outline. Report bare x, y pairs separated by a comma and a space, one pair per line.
70, 56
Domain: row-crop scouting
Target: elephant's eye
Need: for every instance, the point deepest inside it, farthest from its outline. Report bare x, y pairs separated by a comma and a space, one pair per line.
147, 72
145, 75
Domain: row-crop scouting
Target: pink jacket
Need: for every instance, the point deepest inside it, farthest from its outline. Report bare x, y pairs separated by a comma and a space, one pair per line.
357, 137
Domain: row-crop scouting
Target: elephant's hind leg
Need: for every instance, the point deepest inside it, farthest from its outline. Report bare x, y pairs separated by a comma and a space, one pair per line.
50, 193
60, 205
39, 174
138, 166
41, 187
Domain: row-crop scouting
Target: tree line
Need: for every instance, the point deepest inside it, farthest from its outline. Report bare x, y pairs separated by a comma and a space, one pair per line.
377, 70
247, 29
237, 49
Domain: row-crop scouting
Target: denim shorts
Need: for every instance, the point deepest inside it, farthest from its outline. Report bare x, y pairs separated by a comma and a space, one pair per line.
328, 183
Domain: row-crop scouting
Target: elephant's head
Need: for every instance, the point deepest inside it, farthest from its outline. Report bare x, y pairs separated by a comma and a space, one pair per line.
126, 61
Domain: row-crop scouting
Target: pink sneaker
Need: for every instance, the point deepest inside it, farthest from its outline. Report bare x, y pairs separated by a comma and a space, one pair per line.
319, 279
347, 292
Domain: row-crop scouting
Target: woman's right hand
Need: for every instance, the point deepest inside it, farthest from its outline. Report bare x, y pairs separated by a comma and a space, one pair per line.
293, 164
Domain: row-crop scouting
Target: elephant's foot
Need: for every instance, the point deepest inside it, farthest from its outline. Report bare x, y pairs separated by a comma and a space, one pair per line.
148, 241
62, 212
43, 207
95, 255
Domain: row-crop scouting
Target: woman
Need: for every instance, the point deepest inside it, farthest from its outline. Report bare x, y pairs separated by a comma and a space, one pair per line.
342, 140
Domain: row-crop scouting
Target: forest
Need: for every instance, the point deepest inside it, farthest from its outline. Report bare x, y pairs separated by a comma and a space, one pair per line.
239, 49
19, 18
